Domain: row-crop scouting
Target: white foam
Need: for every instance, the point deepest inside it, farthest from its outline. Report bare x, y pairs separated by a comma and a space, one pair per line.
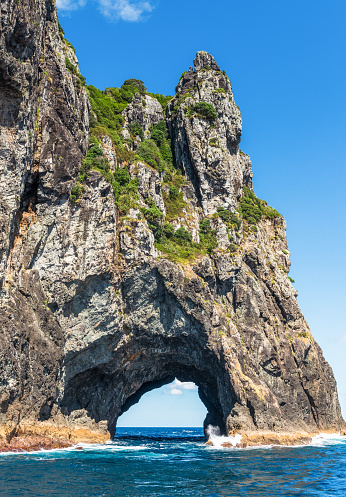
324, 439
218, 440
321, 440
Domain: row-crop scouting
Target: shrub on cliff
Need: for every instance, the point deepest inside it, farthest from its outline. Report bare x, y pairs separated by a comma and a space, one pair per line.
207, 236
175, 205
159, 133
149, 152
228, 217
183, 235
253, 209
93, 160
153, 215
134, 86
76, 191
70, 66
136, 130
125, 203
203, 110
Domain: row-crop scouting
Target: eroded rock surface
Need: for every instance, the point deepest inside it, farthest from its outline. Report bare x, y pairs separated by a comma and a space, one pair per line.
93, 314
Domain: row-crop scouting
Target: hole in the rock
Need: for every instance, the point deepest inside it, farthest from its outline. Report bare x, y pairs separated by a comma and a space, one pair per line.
176, 404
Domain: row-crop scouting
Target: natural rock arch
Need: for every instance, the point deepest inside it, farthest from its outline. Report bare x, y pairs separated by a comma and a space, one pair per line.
92, 313
97, 393
109, 377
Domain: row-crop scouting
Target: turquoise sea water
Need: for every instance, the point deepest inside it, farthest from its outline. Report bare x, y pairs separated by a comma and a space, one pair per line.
176, 462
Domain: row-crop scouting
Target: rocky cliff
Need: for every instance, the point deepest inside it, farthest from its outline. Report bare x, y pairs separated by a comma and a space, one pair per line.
136, 251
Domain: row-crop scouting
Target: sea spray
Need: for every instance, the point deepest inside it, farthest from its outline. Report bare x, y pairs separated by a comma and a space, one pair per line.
217, 440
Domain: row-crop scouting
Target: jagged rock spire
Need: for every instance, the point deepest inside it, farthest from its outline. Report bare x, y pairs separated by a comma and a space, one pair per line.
206, 146
204, 60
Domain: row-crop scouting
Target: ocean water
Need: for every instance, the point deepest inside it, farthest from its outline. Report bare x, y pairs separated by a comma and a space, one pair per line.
161, 462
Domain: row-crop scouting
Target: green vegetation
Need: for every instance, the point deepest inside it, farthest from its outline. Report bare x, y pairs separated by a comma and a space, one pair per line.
291, 279
106, 119
76, 191
231, 219
149, 152
174, 201
178, 100
160, 135
134, 86
253, 210
70, 66
214, 142
155, 151
73, 70
207, 236
124, 188
179, 246
177, 251
136, 130
203, 110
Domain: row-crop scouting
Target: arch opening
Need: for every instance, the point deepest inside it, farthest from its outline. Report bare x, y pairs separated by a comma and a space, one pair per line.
173, 405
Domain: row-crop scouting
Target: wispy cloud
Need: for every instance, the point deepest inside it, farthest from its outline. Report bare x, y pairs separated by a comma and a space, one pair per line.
343, 338
175, 391
177, 387
70, 4
125, 10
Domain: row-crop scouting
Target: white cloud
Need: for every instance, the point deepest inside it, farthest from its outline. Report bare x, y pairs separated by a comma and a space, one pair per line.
175, 391
70, 4
186, 385
177, 386
125, 9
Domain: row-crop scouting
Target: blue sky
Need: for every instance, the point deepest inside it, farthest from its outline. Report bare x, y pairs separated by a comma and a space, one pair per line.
286, 62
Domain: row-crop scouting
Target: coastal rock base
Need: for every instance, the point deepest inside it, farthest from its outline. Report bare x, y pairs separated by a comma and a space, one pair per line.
258, 439
35, 437
47, 437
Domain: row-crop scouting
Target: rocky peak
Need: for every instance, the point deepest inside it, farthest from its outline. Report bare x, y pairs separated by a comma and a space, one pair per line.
206, 128
204, 60
144, 110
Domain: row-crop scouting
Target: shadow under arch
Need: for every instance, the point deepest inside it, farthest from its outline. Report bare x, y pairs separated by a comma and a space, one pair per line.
108, 390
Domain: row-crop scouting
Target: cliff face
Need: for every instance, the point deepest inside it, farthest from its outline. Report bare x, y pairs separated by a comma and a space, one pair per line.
153, 267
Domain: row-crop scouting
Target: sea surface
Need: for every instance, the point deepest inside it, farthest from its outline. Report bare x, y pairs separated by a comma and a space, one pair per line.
176, 462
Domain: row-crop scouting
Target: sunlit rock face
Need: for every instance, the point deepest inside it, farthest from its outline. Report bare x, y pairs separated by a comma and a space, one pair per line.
208, 149
93, 315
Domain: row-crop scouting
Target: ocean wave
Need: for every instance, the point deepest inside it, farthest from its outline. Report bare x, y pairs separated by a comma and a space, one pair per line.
218, 440
223, 442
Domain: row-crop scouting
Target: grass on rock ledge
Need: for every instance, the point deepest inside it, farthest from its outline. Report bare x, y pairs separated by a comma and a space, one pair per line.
178, 245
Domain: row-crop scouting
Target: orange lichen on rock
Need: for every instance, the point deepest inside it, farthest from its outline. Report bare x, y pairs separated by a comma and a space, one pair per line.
33, 437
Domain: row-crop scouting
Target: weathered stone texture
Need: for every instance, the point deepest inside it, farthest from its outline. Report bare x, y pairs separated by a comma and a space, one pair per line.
92, 315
